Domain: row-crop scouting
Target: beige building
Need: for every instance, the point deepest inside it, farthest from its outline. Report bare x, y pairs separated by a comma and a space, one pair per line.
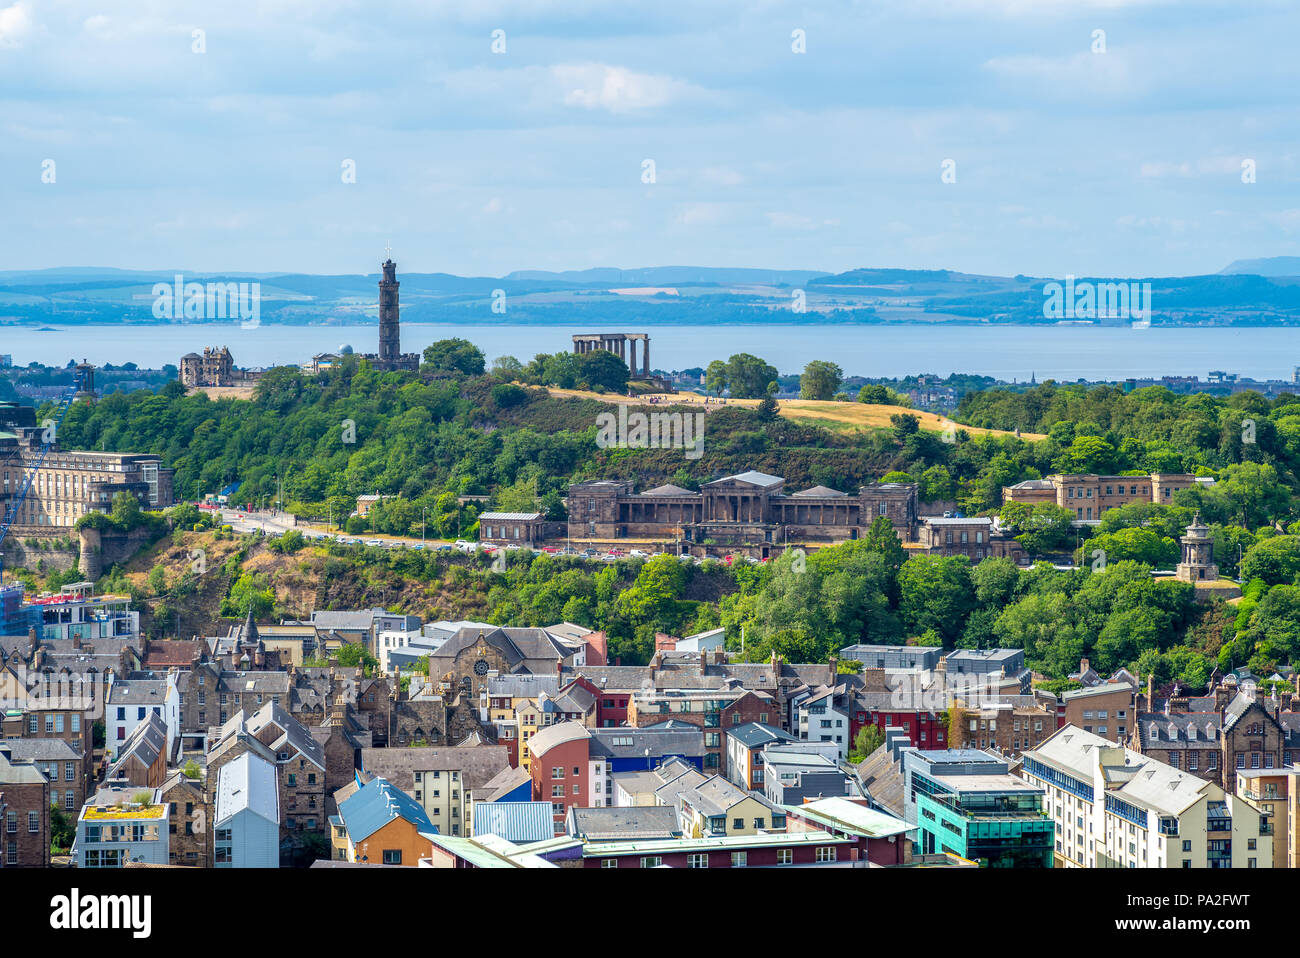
439, 778
1116, 808
1277, 793
1089, 495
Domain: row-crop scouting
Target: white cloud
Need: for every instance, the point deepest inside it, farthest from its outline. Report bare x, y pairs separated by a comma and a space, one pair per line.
15, 23
616, 89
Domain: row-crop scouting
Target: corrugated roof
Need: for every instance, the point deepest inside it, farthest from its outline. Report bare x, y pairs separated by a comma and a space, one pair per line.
515, 821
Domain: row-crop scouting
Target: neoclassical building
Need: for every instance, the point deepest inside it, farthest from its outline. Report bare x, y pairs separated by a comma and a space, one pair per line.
749, 510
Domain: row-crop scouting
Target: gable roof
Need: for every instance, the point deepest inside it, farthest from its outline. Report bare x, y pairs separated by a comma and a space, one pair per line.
751, 476
376, 804
247, 782
624, 823
146, 742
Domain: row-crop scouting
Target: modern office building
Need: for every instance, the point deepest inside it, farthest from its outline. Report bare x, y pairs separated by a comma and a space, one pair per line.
966, 802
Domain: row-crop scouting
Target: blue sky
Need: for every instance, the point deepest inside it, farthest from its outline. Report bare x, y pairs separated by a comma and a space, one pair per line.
1127, 162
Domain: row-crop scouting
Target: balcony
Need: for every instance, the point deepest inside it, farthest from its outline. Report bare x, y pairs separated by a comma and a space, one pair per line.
1265, 827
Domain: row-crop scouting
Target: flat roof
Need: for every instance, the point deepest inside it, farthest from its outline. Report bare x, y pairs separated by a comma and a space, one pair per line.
719, 843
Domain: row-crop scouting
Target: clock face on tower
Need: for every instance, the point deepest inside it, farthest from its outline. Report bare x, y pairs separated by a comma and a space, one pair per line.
481, 667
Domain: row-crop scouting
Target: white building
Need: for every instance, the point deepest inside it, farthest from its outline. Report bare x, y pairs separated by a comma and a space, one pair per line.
247, 815
1116, 808
819, 719
129, 701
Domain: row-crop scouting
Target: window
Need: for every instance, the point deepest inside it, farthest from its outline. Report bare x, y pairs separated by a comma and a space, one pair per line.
34, 822
735, 823
609, 863
739, 859
784, 856
826, 853
557, 772
651, 861
697, 860
392, 856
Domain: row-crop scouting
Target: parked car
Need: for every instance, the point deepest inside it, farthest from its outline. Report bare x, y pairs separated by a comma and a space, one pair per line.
638, 554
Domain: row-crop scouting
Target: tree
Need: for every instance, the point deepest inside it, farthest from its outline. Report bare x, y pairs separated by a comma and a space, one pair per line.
507, 367
868, 739
352, 654
1276, 560
455, 356
192, 769
715, 377
935, 592
748, 376
820, 379
602, 368
905, 425
63, 830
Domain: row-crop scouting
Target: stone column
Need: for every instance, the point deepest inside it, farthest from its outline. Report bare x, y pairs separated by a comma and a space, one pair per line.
645, 357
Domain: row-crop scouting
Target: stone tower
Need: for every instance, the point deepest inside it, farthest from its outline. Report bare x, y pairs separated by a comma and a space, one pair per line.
390, 348
1198, 554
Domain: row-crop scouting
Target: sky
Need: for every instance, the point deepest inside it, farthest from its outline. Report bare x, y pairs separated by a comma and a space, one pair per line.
989, 136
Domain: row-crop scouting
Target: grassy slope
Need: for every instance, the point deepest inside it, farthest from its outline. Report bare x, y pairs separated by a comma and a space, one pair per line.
833, 415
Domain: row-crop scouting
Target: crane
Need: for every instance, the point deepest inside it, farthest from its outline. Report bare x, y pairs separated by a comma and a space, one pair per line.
48, 436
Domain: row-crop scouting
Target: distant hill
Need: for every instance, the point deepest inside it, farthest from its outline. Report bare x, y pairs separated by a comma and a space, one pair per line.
673, 276
1267, 266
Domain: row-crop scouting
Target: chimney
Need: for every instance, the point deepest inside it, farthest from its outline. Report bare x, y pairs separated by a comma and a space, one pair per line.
559, 667
33, 640
704, 662
1151, 687
834, 670
1083, 665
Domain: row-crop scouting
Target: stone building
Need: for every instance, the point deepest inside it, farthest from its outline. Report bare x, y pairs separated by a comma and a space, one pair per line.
1197, 564
749, 510
622, 345
1243, 734
1089, 495
390, 356
214, 368
189, 820
68, 485
25, 838
974, 537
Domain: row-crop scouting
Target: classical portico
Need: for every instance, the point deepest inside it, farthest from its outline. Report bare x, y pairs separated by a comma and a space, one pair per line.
622, 345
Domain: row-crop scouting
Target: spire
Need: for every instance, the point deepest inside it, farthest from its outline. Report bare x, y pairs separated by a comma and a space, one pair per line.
250, 628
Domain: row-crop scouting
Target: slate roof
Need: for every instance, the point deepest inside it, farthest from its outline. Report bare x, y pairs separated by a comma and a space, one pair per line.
523, 685
638, 822
608, 742
529, 650
146, 742
751, 476
375, 805
715, 796
39, 750
668, 489
137, 692
756, 735
477, 765
293, 732
819, 492
882, 780
501, 784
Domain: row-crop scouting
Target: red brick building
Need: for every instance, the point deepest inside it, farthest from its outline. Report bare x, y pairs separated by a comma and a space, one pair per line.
560, 769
